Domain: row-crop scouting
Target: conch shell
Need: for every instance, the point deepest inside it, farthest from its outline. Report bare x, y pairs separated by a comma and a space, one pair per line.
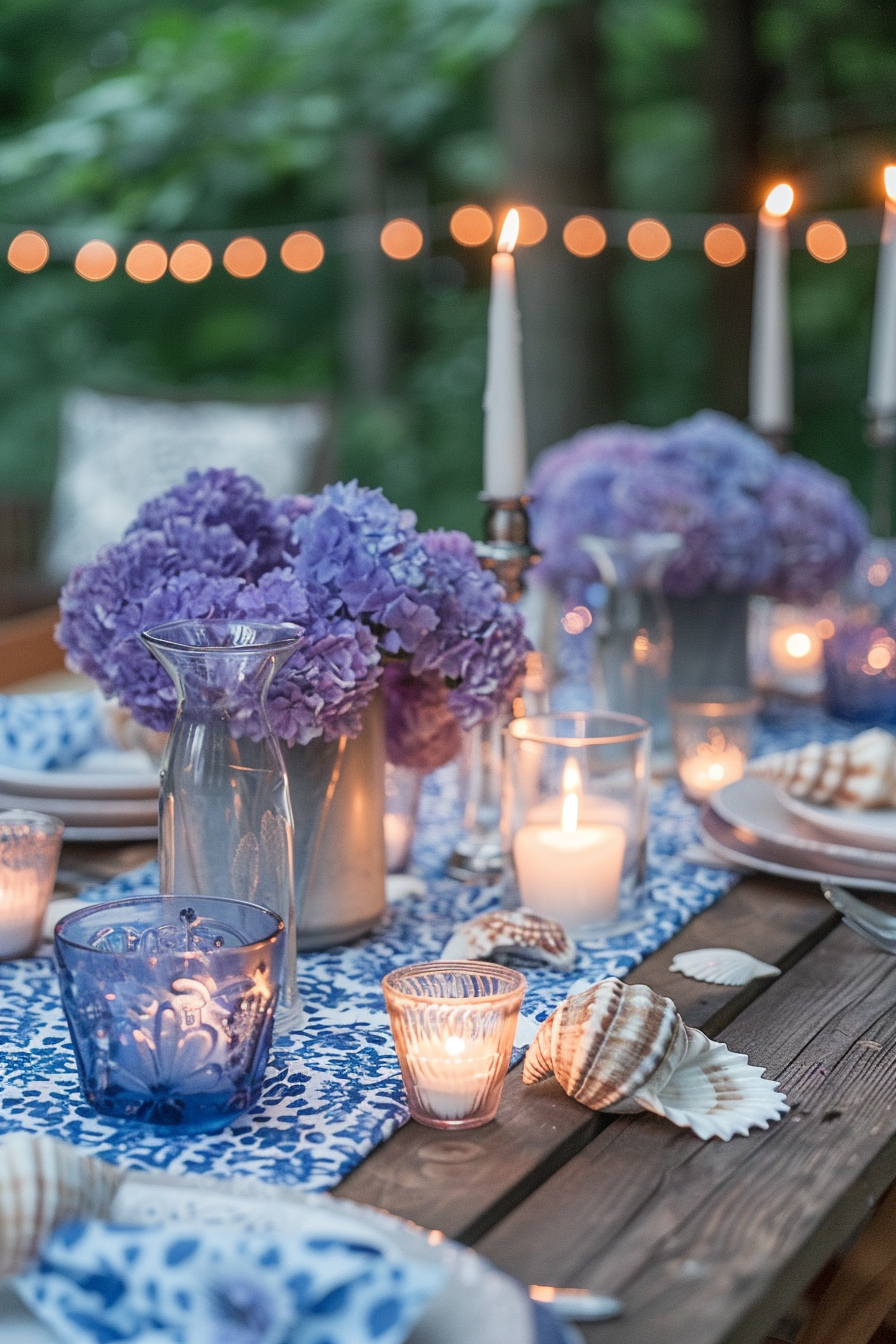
43, 1184
625, 1048
521, 930
858, 774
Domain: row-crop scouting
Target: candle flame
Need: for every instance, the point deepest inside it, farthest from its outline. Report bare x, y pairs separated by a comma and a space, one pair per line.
798, 644
572, 776
454, 1045
510, 231
779, 201
890, 181
569, 817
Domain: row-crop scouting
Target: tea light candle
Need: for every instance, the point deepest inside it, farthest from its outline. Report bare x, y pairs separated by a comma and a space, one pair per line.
569, 872
29, 855
796, 648
22, 902
711, 767
453, 1075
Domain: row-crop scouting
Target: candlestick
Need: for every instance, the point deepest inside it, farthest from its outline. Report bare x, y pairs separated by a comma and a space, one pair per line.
771, 374
505, 465
453, 1023
29, 855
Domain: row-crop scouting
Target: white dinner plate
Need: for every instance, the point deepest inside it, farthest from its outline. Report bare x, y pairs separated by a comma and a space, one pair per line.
875, 827
107, 774
90, 811
757, 806
118, 835
744, 849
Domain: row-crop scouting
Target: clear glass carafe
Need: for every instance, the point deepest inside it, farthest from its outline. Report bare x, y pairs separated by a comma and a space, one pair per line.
225, 820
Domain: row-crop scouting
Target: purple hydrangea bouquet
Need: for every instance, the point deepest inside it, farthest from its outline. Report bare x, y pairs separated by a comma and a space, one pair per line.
369, 592
750, 520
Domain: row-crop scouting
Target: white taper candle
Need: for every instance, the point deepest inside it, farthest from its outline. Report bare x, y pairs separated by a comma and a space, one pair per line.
505, 466
771, 364
882, 368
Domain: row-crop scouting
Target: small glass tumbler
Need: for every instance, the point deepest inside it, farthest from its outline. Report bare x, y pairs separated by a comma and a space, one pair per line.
711, 730
454, 1024
575, 814
403, 788
29, 857
170, 1002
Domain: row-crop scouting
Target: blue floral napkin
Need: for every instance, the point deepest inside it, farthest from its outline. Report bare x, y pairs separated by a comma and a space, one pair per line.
49, 731
97, 1282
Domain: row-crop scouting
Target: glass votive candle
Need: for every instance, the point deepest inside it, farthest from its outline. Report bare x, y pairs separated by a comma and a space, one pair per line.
711, 731
860, 669
453, 1023
403, 786
29, 857
170, 1002
574, 817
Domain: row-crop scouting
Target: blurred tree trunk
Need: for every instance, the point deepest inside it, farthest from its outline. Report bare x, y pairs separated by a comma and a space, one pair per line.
368, 335
736, 90
551, 124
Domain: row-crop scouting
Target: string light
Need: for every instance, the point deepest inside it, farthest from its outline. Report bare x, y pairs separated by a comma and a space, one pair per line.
245, 258
533, 226
584, 236
471, 226
28, 252
401, 239
146, 262
724, 245
302, 251
649, 240
96, 260
826, 241
190, 262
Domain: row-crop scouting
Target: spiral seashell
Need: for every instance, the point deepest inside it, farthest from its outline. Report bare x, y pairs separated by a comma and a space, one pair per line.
858, 774
607, 1042
721, 966
714, 1092
44, 1184
521, 930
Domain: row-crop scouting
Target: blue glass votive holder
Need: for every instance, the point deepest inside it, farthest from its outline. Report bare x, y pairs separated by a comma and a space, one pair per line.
170, 1002
860, 671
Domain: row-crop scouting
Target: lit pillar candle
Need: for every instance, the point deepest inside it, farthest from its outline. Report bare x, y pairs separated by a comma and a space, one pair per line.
882, 369
569, 872
796, 648
505, 420
771, 371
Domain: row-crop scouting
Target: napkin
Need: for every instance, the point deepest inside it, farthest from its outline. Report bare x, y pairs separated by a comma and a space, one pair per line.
97, 1282
49, 731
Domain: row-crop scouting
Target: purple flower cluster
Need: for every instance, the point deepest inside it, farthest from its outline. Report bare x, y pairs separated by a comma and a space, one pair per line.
348, 567
421, 731
750, 520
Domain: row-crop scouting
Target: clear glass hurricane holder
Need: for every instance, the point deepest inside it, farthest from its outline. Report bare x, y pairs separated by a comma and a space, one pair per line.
575, 815
225, 818
712, 730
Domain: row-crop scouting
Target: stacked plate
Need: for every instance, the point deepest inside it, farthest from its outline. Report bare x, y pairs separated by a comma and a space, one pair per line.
753, 824
110, 795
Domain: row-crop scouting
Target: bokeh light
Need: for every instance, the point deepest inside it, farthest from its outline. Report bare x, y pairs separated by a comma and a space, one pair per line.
576, 621
471, 226
245, 258
724, 245
146, 262
649, 240
302, 251
401, 239
533, 226
890, 181
825, 628
879, 571
584, 236
826, 241
96, 260
779, 201
28, 252
190, 262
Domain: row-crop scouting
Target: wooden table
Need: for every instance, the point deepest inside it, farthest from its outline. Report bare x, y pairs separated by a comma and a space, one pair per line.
705, 1242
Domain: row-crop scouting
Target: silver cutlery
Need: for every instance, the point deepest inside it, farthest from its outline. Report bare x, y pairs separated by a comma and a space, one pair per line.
875, 925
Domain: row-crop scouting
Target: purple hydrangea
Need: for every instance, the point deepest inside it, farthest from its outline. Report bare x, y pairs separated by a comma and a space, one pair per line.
750, 521
421, 731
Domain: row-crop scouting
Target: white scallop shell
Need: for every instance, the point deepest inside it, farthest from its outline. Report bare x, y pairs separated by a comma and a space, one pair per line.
715, 1092
721, 966
521, 930
43, 1184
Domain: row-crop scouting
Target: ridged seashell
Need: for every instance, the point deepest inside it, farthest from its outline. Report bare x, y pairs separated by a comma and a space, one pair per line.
715, 1092
522, 930
857, 774
607, 1042
43, 1184
721, 966
623, 1047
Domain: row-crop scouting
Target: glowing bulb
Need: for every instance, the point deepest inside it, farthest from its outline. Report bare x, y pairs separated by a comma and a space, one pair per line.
569, 817
890, 181
779, 201
572, 777
798, 645
879, 657
510, 231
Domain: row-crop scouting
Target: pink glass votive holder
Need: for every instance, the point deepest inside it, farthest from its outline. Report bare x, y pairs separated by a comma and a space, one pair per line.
454, 1023
29, 857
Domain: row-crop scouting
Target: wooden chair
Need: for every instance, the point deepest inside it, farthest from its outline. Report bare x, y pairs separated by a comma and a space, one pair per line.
27, 647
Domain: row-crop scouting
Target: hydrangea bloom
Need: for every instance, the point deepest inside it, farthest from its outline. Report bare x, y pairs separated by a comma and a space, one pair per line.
421, 731
750, 521
346, 566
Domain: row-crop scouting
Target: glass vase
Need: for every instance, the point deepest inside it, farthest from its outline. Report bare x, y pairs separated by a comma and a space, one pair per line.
225, 820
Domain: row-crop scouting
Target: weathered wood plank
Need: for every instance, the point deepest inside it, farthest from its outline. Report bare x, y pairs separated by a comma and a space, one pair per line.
464, 1184
710, 1242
